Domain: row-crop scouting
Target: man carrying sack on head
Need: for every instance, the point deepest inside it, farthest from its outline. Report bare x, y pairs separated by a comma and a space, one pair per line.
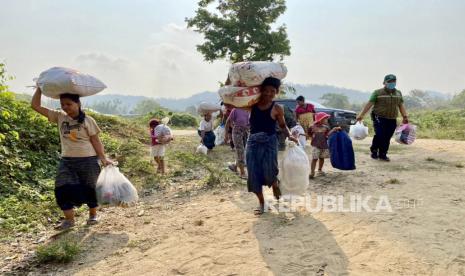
386, 103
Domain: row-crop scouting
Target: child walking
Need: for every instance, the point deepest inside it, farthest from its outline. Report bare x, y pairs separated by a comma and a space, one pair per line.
81, 149
319, 133
160, 137
205, 131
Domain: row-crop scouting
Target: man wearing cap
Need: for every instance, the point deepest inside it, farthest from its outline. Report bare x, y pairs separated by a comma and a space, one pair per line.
386, 103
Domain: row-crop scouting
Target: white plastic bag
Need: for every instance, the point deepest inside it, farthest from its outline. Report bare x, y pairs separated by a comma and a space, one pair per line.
219, 135
163, 131
202, 149
405, 134
240, 96
295, 169
253, 73
205, 107
299, 133
114, 189
59, 80
358, 131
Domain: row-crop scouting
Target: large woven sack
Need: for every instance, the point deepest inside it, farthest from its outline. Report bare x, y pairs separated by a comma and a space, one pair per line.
240, 96
206, 107
253, 73
59, 80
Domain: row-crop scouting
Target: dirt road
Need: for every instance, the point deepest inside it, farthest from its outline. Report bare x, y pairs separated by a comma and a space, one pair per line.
216, 233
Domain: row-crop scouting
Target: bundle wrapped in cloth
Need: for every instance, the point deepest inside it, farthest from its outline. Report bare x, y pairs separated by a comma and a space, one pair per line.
253, 73
240, 96
245, 80
59, 80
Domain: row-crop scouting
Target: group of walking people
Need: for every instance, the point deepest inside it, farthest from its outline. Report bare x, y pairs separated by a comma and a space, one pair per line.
253, 134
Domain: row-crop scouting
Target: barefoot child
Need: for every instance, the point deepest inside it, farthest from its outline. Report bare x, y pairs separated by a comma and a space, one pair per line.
319, 133
160, 138
81, 149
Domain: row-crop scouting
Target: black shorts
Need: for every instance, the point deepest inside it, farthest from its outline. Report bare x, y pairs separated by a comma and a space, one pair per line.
75, 182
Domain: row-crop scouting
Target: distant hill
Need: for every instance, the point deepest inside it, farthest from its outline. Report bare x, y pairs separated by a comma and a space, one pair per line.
315, 91
310, 91
194, 100
127, 101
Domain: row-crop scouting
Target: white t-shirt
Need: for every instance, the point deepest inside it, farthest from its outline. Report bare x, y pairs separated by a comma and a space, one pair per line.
74, 137
206, 126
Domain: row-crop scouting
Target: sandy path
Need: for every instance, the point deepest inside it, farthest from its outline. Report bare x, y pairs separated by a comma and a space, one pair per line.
216, 234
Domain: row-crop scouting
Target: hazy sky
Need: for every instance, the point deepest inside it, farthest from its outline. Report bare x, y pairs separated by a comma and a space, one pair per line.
142, 47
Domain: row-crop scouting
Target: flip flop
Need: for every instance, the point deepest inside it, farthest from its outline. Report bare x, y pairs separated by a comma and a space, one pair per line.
259, 211
92, 220
65, 225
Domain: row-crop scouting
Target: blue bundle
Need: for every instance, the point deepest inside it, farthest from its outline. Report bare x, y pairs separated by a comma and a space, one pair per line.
341, 151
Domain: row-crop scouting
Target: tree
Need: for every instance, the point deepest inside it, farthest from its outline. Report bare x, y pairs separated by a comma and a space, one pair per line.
241, 30
114, 106
4, 77
459, 100
335, 100
146, 106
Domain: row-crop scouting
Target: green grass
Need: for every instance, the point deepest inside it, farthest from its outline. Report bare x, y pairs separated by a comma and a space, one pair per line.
29, 155
63, 250
435, 124
393, 181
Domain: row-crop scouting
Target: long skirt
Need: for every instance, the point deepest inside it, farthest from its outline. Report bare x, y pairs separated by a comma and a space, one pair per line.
262, 161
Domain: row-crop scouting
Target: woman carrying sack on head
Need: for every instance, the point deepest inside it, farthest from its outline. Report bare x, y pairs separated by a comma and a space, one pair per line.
262, 146
81, 149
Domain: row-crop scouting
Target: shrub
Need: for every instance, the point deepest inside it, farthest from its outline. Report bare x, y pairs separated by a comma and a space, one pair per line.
183, 120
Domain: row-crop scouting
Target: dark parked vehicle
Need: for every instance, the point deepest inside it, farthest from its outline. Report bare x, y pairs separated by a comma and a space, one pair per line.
339, 117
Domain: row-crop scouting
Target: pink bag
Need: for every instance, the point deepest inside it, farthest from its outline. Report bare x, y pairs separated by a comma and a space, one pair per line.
405, 134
